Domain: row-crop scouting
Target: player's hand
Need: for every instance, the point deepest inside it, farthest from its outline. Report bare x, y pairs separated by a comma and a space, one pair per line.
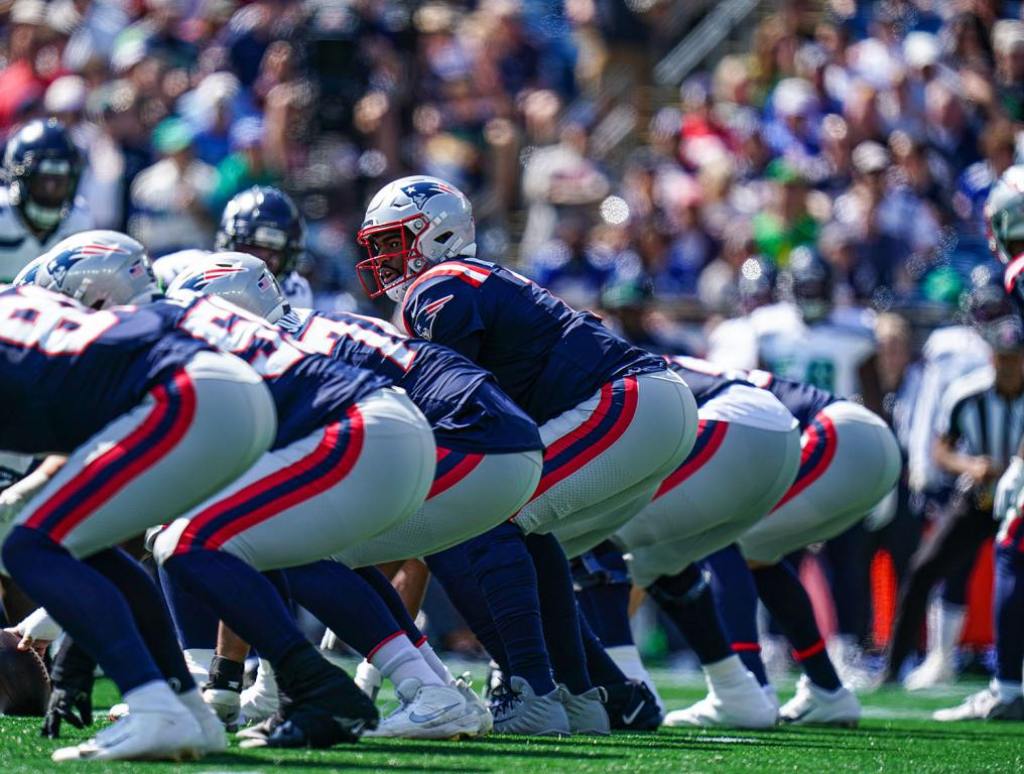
73, 675
73, 705
37, 631
983, 469
1008, 489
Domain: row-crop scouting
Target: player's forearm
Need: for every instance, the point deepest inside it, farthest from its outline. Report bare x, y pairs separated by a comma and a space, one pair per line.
952, 461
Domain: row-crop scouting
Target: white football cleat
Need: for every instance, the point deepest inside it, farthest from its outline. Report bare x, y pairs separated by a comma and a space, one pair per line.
737, 703
428, 712
772, 696
260, 700
464, 685
984, 705
227, 704
163, 735
937, 669
712, 712
813, 705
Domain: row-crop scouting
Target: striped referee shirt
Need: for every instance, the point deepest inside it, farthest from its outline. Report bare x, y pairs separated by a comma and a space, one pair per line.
980, 421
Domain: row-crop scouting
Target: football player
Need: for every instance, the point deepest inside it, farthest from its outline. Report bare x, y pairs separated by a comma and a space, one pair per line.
338, 427
701, 507
262, 221
38, 207
614, 419
488, 450
147, 412
849, 461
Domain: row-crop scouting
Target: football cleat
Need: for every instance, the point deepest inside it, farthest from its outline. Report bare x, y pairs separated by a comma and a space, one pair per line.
771, 695
485, 720
170, 734
428, 712
494, 683
227, 705
214, 738
586, 711
815, 706
937, 669
984, 705
632, 706
518, 710
737, 703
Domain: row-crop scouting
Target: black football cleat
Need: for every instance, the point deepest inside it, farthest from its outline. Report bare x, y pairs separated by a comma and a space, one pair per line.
320, 707
631, 706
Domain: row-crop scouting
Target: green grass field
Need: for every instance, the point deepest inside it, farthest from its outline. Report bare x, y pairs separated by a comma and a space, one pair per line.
896, 735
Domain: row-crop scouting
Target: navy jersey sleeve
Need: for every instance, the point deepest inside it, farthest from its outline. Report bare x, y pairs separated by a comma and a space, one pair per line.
445, 310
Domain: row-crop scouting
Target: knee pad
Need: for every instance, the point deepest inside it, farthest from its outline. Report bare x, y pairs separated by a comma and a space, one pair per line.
602, 566
682, 588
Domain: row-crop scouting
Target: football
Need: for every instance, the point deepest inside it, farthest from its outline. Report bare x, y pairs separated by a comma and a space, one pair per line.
24, 682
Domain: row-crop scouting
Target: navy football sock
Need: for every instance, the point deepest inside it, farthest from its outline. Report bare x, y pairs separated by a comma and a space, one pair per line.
246, 601
150, 613
786, 599
345, 602
452, 570
390, 597
506, 575
559, 613
83, 601
194, 621
600, 668
1009, 614
736, 599
687, 600
603, 581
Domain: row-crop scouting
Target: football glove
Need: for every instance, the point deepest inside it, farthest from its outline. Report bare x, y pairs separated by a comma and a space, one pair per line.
1008, 490
71, 700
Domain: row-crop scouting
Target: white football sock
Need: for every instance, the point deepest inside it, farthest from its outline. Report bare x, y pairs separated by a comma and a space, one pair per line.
435, 663
398, 659
1006, 690
728, 672
949, 625
627, 658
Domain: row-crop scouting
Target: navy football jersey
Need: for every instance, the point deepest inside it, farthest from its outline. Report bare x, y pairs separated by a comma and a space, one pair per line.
463, 403
309, 390
67, 371
704, 379
546, 356
802, 400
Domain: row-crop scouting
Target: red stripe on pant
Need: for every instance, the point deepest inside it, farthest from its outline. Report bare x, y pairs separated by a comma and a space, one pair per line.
601, 445
276, 506
81, 510
806, 653
746, 647
695, 463
813, 439
456, 474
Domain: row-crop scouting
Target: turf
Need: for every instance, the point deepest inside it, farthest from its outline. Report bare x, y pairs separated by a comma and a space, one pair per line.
895, 736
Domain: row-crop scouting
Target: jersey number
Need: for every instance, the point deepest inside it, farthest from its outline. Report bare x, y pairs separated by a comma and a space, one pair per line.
36, 320
229, 329
322, 335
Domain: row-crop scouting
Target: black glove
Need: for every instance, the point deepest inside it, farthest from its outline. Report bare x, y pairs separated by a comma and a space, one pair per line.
72, 677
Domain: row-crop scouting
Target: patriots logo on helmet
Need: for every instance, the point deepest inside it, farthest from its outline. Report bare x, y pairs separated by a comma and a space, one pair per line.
423, 191
204, 278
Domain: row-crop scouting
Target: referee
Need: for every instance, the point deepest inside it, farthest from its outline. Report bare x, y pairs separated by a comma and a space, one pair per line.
980, 427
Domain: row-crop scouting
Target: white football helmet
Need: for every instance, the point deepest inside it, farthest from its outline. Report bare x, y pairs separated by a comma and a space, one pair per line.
99, 269
242, 279
412, 223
